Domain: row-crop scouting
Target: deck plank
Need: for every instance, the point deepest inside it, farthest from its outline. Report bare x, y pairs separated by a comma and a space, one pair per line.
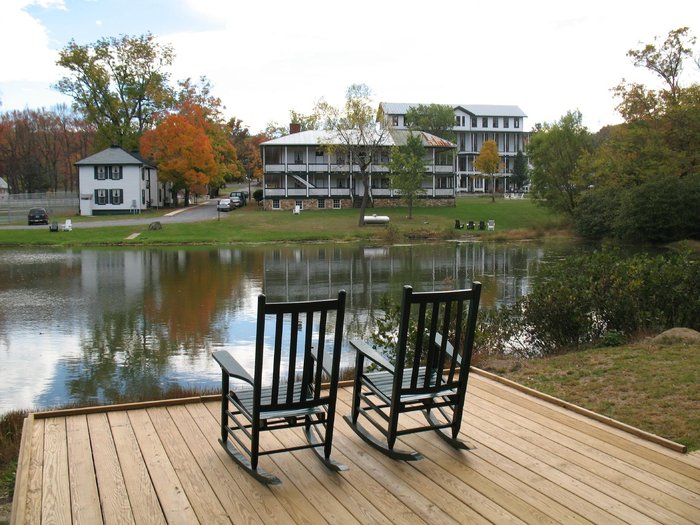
633, 448
500, 505
228, 493
114, 498
85, 499
36, 473
142, 496
266, 504
204, 502
55, 501
604, 466
172, 497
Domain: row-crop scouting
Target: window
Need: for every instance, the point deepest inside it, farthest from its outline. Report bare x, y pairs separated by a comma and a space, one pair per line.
340, 159
321, 204
101, 197
100, 172
464, 120
336, 204
299, 203
298, 158
444, 183
506, 122
484, 122
474, 120
516, 122
319, 153
275, 204
116, 196
495, 122
394, 120
115, 173
457, 120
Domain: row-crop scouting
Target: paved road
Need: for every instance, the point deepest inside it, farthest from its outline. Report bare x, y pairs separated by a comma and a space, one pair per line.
204, 211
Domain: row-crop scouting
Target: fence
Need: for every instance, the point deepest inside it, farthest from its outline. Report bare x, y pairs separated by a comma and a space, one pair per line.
14, 207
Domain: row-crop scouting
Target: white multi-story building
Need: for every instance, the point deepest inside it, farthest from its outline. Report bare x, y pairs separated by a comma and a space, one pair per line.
310, 170
474, 125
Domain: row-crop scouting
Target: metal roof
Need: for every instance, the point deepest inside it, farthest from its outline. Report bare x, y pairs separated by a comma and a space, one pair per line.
113, 155
479, 110
317, 137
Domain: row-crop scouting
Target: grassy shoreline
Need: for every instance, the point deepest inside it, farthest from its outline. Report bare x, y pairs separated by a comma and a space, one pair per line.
515, 219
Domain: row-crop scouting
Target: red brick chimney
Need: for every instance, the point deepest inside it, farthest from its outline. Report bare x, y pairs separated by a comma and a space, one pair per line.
294, 127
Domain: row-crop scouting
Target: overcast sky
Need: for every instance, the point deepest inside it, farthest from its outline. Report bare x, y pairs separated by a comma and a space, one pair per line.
267, 57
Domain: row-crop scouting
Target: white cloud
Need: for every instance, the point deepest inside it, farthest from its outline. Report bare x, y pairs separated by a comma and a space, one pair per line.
24, 40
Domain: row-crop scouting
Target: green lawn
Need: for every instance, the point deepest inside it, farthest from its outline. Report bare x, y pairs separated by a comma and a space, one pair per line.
514, 219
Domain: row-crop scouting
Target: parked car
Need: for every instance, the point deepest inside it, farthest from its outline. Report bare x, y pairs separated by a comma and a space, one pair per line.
237, 202
37, 216
225, 205
242, 196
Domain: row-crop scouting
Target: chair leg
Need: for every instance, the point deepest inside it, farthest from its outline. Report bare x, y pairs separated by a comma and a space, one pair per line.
258, 473
317, 445
451, 438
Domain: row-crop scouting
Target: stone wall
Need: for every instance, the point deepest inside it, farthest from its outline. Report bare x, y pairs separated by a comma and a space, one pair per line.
312, 203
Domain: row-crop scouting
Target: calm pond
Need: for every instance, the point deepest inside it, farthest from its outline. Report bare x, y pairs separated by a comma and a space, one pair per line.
88, 325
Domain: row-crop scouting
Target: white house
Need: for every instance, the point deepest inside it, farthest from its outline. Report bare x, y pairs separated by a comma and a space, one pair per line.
114, 181
303, 169
474, 125
4, 188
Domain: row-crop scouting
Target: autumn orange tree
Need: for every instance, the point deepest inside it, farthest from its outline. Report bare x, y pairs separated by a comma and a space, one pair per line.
196, 101
488, 162
183, 153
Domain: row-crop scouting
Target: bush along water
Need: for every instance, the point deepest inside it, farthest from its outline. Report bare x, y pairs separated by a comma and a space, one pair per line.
591, 299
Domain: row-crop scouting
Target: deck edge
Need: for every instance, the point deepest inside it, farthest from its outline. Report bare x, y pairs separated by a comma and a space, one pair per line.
22, 474
647, 436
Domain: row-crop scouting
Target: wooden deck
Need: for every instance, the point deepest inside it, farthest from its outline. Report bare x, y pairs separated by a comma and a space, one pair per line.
533, 462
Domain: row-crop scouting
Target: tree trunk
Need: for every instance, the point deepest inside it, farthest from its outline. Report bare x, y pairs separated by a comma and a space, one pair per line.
365, 198
493, 188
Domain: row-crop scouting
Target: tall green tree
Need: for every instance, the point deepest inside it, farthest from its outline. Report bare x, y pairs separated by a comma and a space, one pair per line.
119, 84
488, 162
354, 133
520, 170
408, 169
559, 154
436, 119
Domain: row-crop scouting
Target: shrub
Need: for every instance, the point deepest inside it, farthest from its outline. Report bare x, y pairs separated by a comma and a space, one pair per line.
590, 299
258, 195
661, 210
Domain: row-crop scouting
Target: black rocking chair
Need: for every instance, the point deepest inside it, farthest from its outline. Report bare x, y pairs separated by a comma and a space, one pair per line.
428, 375
294, 396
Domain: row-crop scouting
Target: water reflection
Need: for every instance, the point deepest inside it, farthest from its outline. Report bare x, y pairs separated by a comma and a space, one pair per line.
92, 325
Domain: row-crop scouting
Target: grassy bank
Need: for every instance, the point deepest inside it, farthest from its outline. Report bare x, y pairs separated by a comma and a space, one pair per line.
514, 219
651, 386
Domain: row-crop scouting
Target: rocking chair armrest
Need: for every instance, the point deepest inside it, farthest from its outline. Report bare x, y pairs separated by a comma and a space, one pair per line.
232, 367
372, 354
327, 360
449, 348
